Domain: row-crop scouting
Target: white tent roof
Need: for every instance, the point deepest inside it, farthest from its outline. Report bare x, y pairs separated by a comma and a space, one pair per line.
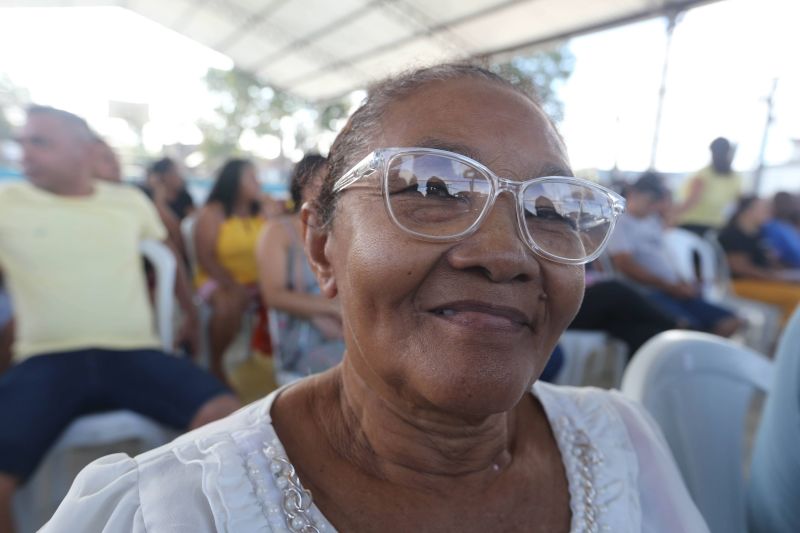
321, 49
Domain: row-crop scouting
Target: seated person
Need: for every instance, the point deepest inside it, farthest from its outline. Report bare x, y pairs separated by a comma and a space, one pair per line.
309, 325
615, 307
85, 339
638, 251
781, 233
164, 181
711, 194
452, 300
106, 167
757, 274
225, 237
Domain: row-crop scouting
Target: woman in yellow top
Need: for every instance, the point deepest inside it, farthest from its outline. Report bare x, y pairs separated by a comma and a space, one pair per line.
225, 237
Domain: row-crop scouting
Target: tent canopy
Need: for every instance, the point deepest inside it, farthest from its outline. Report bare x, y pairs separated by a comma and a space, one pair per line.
321, 49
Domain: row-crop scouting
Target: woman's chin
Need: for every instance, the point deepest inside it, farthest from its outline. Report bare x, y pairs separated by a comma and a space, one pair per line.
475, 393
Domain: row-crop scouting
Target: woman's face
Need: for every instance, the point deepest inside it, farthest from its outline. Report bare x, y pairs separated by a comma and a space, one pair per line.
463, 327
249, 189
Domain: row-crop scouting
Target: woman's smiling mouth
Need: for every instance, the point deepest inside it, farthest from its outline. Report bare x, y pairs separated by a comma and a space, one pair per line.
482, 315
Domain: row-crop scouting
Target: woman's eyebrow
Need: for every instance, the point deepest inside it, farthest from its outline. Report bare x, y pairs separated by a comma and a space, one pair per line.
450, 146
552, 169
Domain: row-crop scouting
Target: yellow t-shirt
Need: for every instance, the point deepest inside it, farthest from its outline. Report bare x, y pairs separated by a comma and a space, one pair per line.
719, 195
73, 268
236, 249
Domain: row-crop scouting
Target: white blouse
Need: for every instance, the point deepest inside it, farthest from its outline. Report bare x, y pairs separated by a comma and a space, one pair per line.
233, 476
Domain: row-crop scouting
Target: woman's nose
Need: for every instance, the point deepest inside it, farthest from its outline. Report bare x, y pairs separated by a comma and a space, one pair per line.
496, 247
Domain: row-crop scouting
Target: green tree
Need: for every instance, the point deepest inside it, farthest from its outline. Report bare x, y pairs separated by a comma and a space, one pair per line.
245, 103
540, 74
12, 97
242, 103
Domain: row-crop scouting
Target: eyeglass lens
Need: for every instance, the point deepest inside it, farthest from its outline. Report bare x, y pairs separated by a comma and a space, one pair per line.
438, 196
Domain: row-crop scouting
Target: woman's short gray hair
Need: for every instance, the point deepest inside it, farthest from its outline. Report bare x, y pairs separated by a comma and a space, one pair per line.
363, 127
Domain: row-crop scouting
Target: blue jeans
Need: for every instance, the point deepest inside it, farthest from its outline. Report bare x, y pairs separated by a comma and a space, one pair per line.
41, 396
698, 313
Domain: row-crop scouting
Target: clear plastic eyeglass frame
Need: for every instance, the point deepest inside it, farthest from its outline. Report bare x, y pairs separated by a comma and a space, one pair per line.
378, 161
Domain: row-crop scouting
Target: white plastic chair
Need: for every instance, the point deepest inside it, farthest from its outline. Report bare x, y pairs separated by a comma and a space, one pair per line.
587, 354
164, 265
684, 246
282, 377
86, 439
187, 234
93, 436
763, 320
699, 389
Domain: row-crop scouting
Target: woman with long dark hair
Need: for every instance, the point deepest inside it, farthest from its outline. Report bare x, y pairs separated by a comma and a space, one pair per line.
225, 241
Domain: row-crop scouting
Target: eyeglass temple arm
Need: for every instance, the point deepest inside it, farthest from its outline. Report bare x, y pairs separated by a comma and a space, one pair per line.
364, 167
618, 204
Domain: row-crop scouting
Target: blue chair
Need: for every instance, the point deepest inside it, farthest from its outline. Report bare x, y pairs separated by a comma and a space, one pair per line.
774, 490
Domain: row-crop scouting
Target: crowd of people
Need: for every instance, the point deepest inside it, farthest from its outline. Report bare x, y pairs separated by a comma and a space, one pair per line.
391, 276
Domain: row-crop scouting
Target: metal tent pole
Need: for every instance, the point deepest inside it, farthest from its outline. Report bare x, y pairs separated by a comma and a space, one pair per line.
770, 118
672, 21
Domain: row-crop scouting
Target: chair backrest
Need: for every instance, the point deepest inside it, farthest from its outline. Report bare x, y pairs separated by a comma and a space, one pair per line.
699, 389
721, 265
163, 261
591, 358
85, 439
187, 234
691, 252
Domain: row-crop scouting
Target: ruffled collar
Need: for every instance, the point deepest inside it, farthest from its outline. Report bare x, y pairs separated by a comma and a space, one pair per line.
248, 477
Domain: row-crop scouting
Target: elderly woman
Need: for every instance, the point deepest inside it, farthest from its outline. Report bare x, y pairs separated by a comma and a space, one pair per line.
454, 237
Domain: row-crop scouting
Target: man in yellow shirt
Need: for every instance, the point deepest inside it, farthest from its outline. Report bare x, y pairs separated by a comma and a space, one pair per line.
85, 340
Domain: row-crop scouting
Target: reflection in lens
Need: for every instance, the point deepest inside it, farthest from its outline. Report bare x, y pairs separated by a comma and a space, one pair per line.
435, 195
565, 219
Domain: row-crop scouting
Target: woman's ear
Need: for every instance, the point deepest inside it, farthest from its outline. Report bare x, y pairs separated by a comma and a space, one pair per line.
316, 238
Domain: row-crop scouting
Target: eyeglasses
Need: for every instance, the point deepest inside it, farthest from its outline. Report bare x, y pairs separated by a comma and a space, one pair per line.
437, 195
